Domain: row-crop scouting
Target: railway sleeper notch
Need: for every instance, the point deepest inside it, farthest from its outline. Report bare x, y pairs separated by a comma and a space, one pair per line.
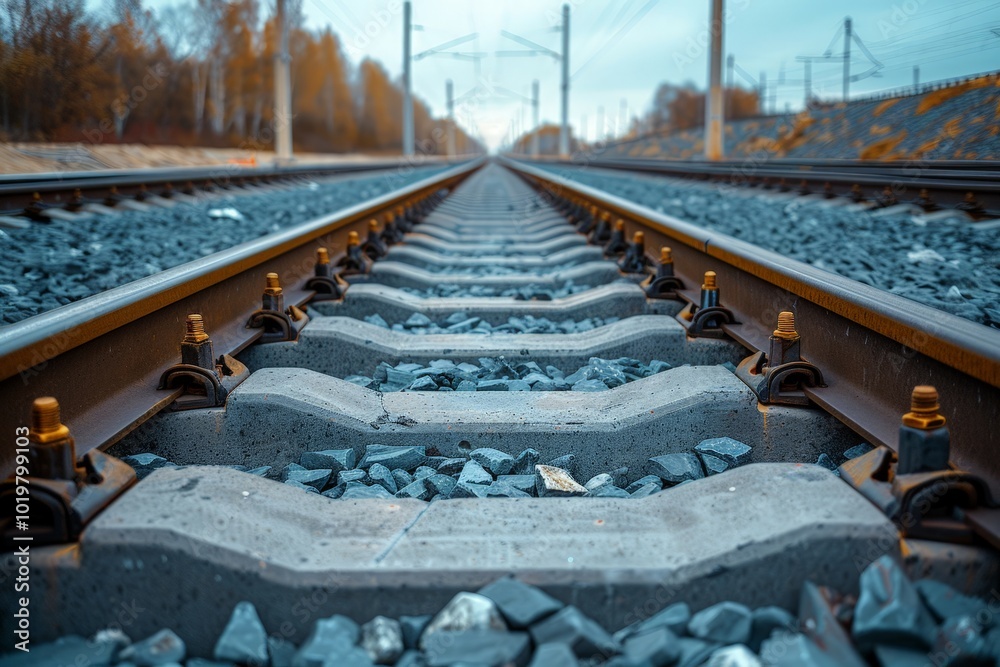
916, 486
205, 380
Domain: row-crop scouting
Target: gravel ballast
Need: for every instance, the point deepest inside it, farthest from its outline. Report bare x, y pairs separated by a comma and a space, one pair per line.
893, 621
461, 322
945, 263
51, 264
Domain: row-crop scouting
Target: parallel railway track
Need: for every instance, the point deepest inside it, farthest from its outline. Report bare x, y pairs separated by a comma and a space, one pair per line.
865, 351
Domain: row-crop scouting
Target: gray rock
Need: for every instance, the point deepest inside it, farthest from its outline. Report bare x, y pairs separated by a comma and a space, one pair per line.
733, 452
826, 634
889, 609
677, 467
463, 490
694, 652
569, 626
765, 621
493, 385
290, 468
945, 602
610, 491
658, 646
552, 481
329, 459
500, 489
724, 623
451, 466
441, 485
402, 478
643, 481
589, 385
734, 656
417, 489
379, 474
554, 655
524, 483
473, 473
282, 651
422, 472
713, 464
314, 478
260, 472
567, 462
425, 383
964, 639
477, 647
795, 650
145, 463
466, 385
412, 627
674, 617
520, 604
493, 460
392, 457
417, 320
356, 475
597, 481
524, 463
244, 640
382, 640
365, 492
646, 490
826, 462
160, 649
465, 612
333, 636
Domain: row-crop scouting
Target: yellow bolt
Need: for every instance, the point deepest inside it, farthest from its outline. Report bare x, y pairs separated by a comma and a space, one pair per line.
195, 329
606, 216
373, 225
399, 210
352, 238
639, 238
388, 217
786, 326
322, 256
46, 426
273, 286
924, 408
709, 281
620, 224
666, 257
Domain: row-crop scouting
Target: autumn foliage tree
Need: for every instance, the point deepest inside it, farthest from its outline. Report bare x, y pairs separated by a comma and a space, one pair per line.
200, 72
677, 108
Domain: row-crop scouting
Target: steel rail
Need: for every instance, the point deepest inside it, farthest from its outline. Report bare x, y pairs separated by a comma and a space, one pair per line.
872, 347
17, 190
102, 356
946, 181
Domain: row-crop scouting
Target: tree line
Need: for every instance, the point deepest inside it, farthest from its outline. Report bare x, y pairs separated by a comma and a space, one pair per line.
200, 72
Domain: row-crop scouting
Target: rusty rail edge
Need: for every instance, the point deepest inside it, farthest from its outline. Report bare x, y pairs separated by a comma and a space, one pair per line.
872, 346
102, 356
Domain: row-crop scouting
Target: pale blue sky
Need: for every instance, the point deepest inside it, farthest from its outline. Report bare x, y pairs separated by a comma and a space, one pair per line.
624, 49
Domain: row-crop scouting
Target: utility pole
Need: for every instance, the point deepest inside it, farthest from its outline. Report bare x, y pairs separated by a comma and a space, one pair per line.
407, 95
534, 118
808, 80
763, 93
847, 57
916, 78
564, 130
601, 134
713, 109
282, 90
730, 84
450, 92
622, 118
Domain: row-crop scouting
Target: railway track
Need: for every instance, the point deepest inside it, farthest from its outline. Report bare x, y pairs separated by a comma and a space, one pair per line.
461, 340
929, 186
